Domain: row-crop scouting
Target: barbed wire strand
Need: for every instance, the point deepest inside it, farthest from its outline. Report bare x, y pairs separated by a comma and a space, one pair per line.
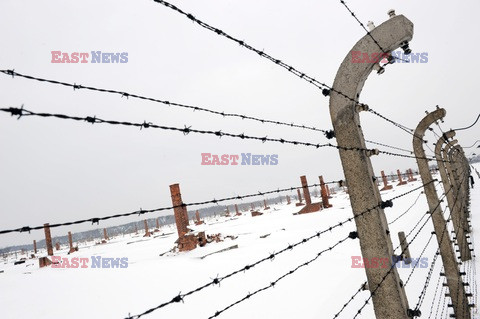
21, 112
439, 299
401, 215
421, 255
352, 235
362, 288
145, 211
165, 102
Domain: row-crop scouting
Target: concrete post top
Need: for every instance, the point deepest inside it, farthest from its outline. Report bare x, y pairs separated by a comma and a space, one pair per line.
351, 77
424, 124
442, 140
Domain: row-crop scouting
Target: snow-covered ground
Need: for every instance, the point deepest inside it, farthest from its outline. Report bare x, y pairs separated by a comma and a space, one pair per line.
318, 290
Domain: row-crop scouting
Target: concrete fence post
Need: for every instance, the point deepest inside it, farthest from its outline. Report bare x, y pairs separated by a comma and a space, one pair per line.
455, 156
451, 172
48, 239
453, 205
452, 271
389, 299
406, 257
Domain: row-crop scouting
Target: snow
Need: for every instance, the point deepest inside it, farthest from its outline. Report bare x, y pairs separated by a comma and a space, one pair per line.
318, 290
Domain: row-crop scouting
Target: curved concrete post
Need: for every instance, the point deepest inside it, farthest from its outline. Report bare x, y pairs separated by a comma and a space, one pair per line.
461, 171
389, 300
452, 272
453, 205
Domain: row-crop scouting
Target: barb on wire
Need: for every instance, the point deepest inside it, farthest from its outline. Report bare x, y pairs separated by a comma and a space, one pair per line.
326, 90
21, 112
180, 297
352, 235
168, 103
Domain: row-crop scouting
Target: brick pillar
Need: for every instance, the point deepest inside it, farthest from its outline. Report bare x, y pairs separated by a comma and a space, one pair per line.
48, 239
323, 192
105, 235
400, 180
34, 246
411, 175
197, 215
265, 205
147, 233
180, 212
306, 192
385, 183
236, 210
299, 195
288, 200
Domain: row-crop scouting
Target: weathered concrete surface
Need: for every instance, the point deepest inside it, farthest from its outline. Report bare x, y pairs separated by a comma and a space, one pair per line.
389, 300
453, 205
406, 257
461, 171
454, 280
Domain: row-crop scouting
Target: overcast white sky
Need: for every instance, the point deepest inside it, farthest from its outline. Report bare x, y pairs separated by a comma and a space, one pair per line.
55, 171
